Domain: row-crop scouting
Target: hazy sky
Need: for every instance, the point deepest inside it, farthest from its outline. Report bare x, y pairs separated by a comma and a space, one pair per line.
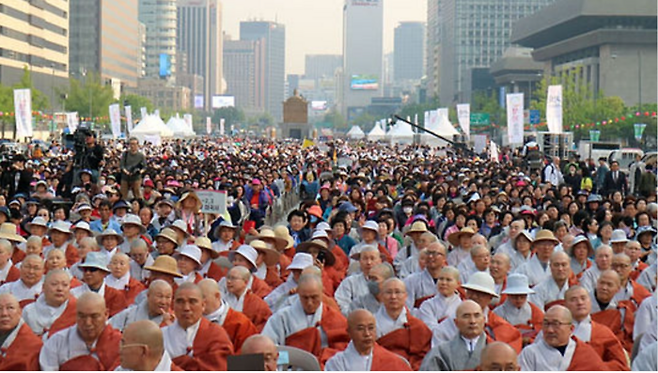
314, 26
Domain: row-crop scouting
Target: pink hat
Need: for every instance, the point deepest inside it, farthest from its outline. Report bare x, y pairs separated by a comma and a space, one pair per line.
256, 181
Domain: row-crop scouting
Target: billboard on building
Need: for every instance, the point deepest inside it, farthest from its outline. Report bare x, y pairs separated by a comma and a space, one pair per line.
222, 101
165, 65
198, 101
319, 105
365, 82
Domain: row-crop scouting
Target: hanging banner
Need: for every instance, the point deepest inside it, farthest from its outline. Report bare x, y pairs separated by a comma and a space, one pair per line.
479, 143
554, 109
515, 118
493, 150
143, 111
433, 120
129, 118
426, 122
115, 120
594, 135
188, 120
222, 123
464, 118
72, 121
208, 125
639, 130
23, 112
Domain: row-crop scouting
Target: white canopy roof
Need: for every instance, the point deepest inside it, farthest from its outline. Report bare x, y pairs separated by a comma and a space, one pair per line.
179, 127
151, 126
401, 133
376, 133
356, 133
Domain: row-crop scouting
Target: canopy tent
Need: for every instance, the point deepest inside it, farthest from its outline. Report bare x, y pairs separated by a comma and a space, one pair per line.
401, 133
356, 133
179, 127
150, 127
444, 128
376, 133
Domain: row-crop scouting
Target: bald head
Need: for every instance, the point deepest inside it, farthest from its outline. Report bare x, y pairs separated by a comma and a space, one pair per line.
143, 346
312, 270
469, 319
12, 312
90, 299
362, 328
560, 313
262, 344
211, 294
241, 272
498, 356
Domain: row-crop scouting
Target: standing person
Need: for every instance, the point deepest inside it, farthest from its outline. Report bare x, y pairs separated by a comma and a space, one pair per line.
635, 174
601, 172
615, 180
133, 164
18, 179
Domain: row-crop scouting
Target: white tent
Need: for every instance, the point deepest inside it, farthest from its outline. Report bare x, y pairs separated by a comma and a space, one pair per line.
376, 133
401, 133
179, 127
444, 128
356, 133
151, 127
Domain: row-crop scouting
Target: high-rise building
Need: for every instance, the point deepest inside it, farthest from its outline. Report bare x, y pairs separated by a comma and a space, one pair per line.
409, 51
320, 66
105, 39
273, 37
199, 35
471, 35
244, 69
432, 49
159, 17
363, 22
34, 35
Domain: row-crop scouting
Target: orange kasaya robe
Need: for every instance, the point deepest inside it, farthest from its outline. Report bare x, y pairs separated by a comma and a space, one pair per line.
608, 347
255, 308
386, 257
132, 290
260, 287
530, 330
209, 349
411, 342
75, 282
334, 325
17, 256
498, 329
620, 321
107, 350
502, 298
239, 328
216, 272
45, 242
23, 353
342, 261
14, 274
573, 281
585, 358
641, 266
115, 300
385, 360
639, 293
290, 252
65, 320
272, 277
284, 262
71, 255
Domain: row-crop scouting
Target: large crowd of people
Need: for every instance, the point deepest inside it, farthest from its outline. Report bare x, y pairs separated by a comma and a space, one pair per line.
392, 258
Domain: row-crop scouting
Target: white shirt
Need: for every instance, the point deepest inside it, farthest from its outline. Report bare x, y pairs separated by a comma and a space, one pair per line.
540, 356
40, 316
275, 298
513, 315
458, 255
534, 271
138, 272
583, 330
290, 320
438, 307
219, 315
179, 341
349, 289
118, 283
163, 366
22, 292
135, 312
62, 347
386, 325
547, 291
78, 291
419, 285
5, 271
349, 360
470, 343
237, 303
590, 277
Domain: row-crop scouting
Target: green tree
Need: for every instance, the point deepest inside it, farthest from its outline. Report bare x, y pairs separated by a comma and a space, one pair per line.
89, 98
39, 100
231, 116
411, 110
365, 121
263, 120
136, 102
336, 118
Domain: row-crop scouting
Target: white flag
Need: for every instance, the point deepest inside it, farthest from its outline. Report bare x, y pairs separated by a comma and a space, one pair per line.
129, 118
208, 125
426, 122
115, 120
515, 118
188, 120
23, 112
554, 109
222, 123
464, 117
72, 121
143, 111
493, 152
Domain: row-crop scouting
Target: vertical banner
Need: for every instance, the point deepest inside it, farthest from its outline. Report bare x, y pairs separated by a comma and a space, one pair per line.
23, 112
554, 109
143, 111
594, 135
515, 118
115, 120
639, 130
222, 123
208, 125
188, 120
493, 151
129, 119
426, 122
501, 97
433, 119
72, 121
464, 117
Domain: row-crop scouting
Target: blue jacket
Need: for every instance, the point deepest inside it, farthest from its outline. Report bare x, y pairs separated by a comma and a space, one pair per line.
97, 226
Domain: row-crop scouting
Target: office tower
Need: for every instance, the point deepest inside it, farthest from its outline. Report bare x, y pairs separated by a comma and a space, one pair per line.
409, 51
244, 69
159, 17
320, 66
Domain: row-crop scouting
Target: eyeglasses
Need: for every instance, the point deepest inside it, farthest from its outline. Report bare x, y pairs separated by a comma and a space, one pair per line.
620, 265
554, 324
90, 269
434, 253
122, 345
394, 292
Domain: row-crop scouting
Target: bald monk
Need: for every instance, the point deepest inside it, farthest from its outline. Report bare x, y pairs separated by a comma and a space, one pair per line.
120, 278
597, 335
551, 289
193, 342
142, 348
242, 257
309, 323
363, 353
618, 316
372, 300
156, 307
398, 331
557, 349
356, 284
262, 344
20, 347
602, 261
292, 296
28, 288
8, 272
240, 298
630, 290
237, 325
444, 304
54, 310
498, 356
421, 285
91, 344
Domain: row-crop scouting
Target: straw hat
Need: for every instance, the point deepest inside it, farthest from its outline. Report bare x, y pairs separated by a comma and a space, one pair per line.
8, 232
271, 255
304, 247
482, 282
247, 252
417, 227
107, 233
546, 235
134, 220
301, 261
267, 233
579, 239
191, 251
60, 226
204, 243
168, 234
192, 195
95, 259
455, 237
281, 231
517, 284
164, 264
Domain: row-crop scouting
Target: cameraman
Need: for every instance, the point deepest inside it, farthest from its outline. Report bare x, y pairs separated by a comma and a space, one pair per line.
133, 165
17, 178
88, 156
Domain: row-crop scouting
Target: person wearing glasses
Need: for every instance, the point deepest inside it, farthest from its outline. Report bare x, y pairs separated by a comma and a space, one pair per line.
498, 357
94, 271
142, 349
421, 285
557, 349
630, 290
28, 288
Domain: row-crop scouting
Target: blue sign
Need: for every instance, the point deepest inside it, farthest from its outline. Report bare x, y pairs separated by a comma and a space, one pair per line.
165, 65
534, 116
501, 97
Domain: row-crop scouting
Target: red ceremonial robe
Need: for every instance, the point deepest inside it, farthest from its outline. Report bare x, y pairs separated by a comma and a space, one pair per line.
272, 277
620, 321
114, 300
23, 352
215, 272
608, 347
132, 290
585, 358
385, 360
498, 329
639, 294
530, 330
71, 255
17, 256
12, 275
641, 266
255, 308
209, 349
107, 350
66, 319
260, 287
239, 328
411, 342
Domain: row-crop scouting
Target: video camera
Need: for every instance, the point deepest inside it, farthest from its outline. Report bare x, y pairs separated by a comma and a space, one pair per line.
78, 139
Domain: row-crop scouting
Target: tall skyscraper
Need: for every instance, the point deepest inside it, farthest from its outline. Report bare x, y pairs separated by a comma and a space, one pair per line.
35, 37
244, 69
468, 35
105, 39
320, 66
363, 22
273, 37
409, 51
199, 35
159, 17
